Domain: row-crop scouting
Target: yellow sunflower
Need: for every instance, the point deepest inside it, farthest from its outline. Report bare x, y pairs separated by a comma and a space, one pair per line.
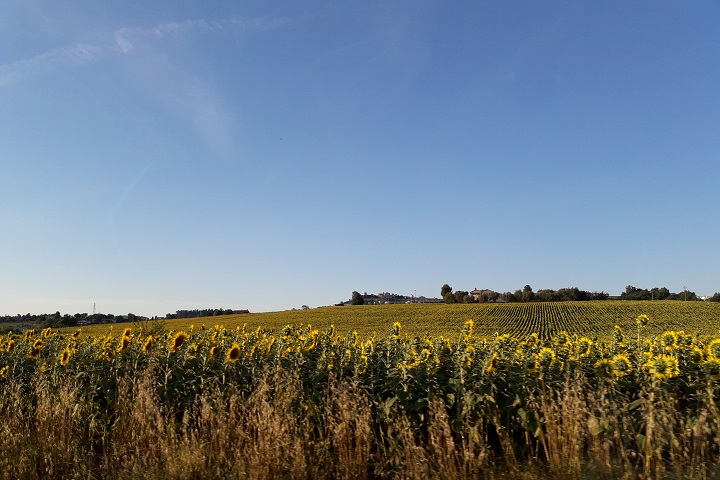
233, 354
713, 348
362, 366
621, 365
468, 328
662, 366
147, 345
583, 346
65, 357
604, 368
668, 340
545, 357
180, 338
124, 343
712, 368
642, 320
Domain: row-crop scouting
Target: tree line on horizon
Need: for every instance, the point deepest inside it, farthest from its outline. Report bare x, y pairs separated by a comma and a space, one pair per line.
565, 294
58, 320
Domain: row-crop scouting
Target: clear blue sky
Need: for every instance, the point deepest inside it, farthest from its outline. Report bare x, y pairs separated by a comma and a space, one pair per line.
163, 155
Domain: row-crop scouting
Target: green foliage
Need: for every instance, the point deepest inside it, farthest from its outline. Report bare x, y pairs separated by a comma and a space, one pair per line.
357, 299
492, 382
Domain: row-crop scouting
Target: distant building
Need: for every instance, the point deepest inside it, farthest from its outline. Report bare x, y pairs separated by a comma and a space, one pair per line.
486, 295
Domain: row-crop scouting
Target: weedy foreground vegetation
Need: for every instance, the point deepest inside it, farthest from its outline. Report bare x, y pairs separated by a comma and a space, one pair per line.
299, 402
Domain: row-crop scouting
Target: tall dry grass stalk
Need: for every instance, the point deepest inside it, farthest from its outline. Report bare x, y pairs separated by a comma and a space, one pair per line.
52, 428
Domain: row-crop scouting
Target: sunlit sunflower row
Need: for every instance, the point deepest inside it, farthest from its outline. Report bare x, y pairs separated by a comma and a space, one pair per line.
186, 362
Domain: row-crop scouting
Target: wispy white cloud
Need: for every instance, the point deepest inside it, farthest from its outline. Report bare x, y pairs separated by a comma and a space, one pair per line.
126, 37
68, 56
180, 90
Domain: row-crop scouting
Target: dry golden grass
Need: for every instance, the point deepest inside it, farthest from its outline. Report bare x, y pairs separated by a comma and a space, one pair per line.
56, 431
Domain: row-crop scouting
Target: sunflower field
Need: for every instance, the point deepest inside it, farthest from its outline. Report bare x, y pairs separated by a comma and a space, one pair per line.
301, 402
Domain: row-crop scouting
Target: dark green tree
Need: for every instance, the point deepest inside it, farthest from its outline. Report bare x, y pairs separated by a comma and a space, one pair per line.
357, 299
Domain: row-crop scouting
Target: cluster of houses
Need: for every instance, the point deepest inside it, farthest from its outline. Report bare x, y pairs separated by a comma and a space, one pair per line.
386, 298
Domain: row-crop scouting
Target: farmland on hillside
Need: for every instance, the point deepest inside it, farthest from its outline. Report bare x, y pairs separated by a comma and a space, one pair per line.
302, 402
593, 319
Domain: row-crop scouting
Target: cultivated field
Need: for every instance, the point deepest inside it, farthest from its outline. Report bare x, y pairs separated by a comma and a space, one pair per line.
593, 319
603, 390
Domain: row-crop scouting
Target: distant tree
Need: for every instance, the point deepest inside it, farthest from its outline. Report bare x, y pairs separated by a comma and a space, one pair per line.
449, 298
684, 295
459, 296
634, 293
527, 294
511, 297
69, 321
714, 298
659, 293
599, 296
445, 290
305, 307
357, 299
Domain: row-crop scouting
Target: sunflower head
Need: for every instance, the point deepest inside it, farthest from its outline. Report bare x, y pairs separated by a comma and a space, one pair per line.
695, 355
233, 354
530, 363
545, 357
65, 357
468, 356
124, 343
662, 366
604, 368
618, 335
492, 363
396, 329
126, 332
362, 365
621, 365
711, 367
213, 351
180, 338
532, 339
148, 343
713, 348
76, 335
562, 339
642, 320
583, 346
468, 328
668, 340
